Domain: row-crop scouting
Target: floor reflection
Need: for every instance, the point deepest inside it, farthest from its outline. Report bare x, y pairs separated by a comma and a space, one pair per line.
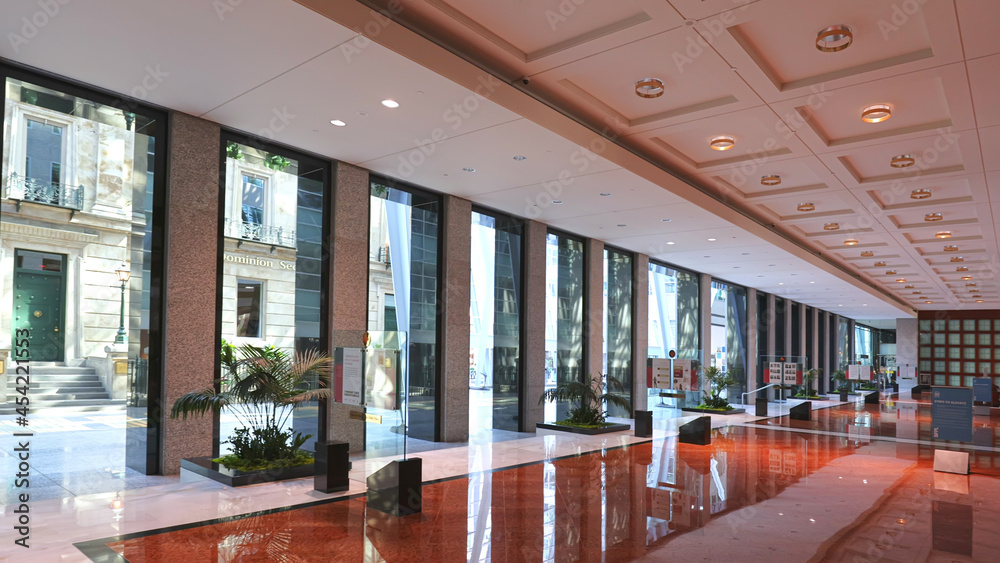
756, 493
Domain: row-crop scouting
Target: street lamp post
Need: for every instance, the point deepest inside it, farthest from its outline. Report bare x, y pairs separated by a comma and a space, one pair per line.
123, 274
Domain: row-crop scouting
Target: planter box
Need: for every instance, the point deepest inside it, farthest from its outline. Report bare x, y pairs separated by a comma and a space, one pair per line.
205, 467
587, 431
713, 411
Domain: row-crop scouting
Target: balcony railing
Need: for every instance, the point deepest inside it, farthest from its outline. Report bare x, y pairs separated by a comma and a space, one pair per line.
264, 234
21, 188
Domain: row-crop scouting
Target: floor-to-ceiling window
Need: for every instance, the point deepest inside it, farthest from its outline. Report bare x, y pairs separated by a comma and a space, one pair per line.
674, 314
843, 344
564, 310
727, 350
81, 271
618, 322
864, 350
272, 258
403, 288
764, 319
495, 322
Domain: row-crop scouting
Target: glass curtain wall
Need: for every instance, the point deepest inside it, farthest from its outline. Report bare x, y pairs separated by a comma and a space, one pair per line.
495, 323
864, 351
764, 318
729, 330
618, 323
662, 310
564, 313
273, 271
403, 287
81, 259
843, 344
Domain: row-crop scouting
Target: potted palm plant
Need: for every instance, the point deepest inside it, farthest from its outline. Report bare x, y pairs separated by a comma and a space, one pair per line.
713, 401
806, 391
260, 386
587, 416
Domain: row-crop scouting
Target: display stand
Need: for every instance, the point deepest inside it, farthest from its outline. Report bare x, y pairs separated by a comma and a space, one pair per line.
698, 431
644, 424
332, 467
801, 411
761, 406
396, 489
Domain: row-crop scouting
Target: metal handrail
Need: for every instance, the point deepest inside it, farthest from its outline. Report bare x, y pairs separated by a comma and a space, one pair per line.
755, 390
35, 190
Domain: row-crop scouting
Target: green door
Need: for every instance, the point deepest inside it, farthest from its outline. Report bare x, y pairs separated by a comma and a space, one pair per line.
39, 294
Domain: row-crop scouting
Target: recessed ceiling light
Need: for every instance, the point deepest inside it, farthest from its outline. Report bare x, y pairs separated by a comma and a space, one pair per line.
867, 254
928, 302
880, 264
665, 220
781, 283
744, 254
649, 88
966, 278
831, 226
519, 158
556, 202
722, 143
916, 293
770, 180
922, 193
876, 113
807, 206
851, 242
771, 265
951, 248
901, 280
890, 272
957, 259
976, 296
864, 304
390, 103
979, 300
469, 169
812, 282
834, 38
621, 224
337, 122
962, 269
970, 284
605, 194
902, 161
711, 240
671, 243
908, 287
943, 234
933, 217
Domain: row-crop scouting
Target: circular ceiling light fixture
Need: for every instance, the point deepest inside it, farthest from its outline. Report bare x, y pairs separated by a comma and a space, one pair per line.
933, 217
916, 293
722, 143
957, 259
890, 272
337, 122
979, 300
966, 278
807, 206
770, 180
876, 113
831, 226
467, 169
834, 38
649, 88
880, 264
951, 248
929, 302
902, 161
557, 202
390, 103
901, 280
970, 284
867, 254
977, 296
910, 286
520, 158
851, 242
942, 234
962, 269
922, 193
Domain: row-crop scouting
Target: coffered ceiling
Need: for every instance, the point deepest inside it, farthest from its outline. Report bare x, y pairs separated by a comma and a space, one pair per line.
554, 81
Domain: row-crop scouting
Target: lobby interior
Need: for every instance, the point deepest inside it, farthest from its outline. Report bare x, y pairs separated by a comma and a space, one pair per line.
809, 180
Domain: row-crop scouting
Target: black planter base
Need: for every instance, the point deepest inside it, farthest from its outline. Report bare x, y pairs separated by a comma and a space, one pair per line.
205, 467
587, 431
711, 411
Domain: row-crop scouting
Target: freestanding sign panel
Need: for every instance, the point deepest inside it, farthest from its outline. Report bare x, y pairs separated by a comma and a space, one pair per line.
865, 373
853, 371
982, 390
659, 373
951, 413
774, 372
683, 378
352, 376
792, 375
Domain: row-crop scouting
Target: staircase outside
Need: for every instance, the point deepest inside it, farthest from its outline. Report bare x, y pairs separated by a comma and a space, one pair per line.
55, 385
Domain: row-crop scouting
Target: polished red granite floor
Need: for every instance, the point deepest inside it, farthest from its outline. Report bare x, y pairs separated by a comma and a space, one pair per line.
754, 494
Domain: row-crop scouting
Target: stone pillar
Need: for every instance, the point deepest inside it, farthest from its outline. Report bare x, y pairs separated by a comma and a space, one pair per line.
801, 336
814, 360
828, 364
456, 262
705, 324
349, 285
787, 319
593, 308
533, 325
772, 321
192, 265
752, 335
640, 329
